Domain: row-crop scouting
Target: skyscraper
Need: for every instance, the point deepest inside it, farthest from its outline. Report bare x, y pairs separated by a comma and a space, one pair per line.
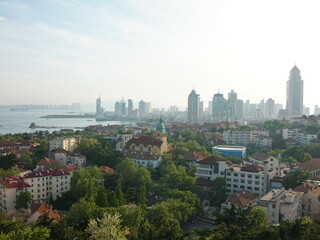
269, 109
295, 93
98, 106
219, 108
130, 108
193, 107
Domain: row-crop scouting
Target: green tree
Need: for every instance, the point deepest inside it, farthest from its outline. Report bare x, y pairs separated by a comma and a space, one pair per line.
218, 192
294, 179
23, 200
107, 228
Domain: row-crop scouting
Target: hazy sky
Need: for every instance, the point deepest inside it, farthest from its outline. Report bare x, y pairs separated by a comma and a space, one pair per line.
64, 51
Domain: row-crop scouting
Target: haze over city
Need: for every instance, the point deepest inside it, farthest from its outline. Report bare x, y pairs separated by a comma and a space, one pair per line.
59, 52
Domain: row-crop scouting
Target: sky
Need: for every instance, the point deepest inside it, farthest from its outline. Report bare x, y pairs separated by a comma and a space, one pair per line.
64, 51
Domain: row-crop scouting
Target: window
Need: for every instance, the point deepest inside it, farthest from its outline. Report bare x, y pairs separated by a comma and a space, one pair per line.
249, 176
235, 174
235, 186
273, 206
250, 181
257, 182
228, 179
243, 175
256, 176
235, 180
242, 181
228, 185
257, 189
241, 186
249, 187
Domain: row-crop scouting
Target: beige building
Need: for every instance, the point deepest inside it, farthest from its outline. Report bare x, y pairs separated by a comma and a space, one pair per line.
10, 188
313, 167
48, 184
266, 160
286, 203
68, 144
310, 199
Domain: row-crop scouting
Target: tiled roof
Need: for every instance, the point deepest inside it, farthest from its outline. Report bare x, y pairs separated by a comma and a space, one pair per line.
212, 160
45, 161
46, 173
59, 150
260, 156
194, 156
145, 141
251, 168
106, 169
71, 167
139, 155
306, 187
203, 182
44, 209
13, 182
242, 198
310, 165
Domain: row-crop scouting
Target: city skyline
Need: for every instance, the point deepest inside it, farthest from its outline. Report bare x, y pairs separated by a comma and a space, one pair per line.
61, 52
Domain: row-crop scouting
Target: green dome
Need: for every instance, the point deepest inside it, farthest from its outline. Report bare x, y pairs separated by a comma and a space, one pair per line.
161, 127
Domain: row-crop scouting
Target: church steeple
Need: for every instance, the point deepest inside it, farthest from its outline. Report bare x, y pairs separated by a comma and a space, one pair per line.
161, 127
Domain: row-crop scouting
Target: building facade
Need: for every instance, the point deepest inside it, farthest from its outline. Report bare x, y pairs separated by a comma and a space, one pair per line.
295, 93
193, 107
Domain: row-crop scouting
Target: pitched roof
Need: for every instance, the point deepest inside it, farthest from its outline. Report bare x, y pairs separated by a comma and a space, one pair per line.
106, 169
242, 198
45, 162
212, 160
194, 156
44, 209
46, 173
203, 182
13, 182
310, 165
145, 141
71, 167
251, 168
59, 150
260, 156
139, 155
305, 187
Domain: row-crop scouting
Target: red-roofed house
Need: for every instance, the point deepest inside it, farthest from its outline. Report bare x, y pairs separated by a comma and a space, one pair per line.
241, 198
44, 163
10, 188
105, 169
41, 211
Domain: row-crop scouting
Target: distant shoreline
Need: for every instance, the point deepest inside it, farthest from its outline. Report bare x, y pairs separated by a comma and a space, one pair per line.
69, 116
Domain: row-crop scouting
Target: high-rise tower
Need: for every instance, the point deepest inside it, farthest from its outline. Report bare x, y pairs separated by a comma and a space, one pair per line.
98, 106
193, 107
295, 93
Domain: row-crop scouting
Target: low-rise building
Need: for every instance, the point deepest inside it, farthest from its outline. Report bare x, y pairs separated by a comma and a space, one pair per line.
313, 167
230, 150
242, 198
310, 199
237, 137
286, 203
145, 159
266, 160
42, 211
212, 167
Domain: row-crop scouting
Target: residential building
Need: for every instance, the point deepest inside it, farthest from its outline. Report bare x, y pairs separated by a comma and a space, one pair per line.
68, 144
286, 203
263, 141
249, 177
265, 160
295, 93
212, 167
313, 167
44, 164
242, 198
310, 199
237, 137
145, 159
193, 107
10, 188
122, 140
42, 211
48, 184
